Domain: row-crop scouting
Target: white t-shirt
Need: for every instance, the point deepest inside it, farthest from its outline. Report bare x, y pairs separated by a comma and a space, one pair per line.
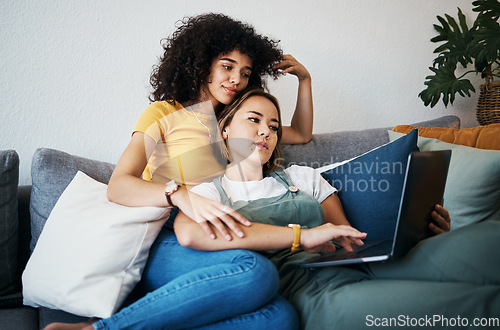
307, 179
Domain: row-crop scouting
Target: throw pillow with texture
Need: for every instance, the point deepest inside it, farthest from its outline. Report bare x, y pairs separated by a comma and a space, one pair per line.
472, 191
483, 137
9, 176
370, 186
91, 252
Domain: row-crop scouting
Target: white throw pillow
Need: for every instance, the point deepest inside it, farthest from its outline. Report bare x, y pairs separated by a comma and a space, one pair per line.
91, 252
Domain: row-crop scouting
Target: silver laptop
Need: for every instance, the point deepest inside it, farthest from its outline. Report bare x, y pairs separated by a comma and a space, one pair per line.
424, 184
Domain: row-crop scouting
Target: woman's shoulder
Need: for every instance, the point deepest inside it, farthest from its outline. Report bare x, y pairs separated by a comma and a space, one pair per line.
163, 107
208, 190
300, 171
156, 112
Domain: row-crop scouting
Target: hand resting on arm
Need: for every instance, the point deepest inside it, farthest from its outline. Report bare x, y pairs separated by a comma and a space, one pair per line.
127, 188
268, 237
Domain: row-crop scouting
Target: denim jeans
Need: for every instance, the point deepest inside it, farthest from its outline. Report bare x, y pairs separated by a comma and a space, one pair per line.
209, 290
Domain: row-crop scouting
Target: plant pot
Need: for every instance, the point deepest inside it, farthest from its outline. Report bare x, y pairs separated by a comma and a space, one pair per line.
488, 105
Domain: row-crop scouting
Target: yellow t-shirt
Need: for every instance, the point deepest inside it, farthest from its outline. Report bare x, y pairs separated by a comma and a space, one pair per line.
185, 138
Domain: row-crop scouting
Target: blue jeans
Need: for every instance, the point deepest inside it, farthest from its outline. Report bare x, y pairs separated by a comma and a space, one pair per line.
210, 290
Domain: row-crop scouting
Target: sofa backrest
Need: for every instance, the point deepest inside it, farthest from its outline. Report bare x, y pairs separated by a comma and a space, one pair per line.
51, 172
334, 147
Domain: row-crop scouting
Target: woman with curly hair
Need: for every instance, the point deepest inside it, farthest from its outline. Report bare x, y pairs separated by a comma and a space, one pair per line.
207, 62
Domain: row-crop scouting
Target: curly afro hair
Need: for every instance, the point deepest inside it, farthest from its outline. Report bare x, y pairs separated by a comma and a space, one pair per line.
189, 52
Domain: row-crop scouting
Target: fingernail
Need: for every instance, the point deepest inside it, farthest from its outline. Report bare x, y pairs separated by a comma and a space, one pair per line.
212, 236
241, 235
228, 237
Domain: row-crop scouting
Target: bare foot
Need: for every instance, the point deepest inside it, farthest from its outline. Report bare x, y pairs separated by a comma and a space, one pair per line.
87, 325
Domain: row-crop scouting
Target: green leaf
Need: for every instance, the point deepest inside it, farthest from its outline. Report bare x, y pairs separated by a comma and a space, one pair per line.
490, 8
457, 40
444, 83
486, 43
460, 44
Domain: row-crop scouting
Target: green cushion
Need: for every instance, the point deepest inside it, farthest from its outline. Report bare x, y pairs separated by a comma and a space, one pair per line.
472, 191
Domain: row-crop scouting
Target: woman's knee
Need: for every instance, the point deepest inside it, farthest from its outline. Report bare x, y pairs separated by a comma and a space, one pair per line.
284, 315
261, 276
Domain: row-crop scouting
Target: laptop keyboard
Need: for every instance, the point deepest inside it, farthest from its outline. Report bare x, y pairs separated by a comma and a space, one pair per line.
371, 248
374, 248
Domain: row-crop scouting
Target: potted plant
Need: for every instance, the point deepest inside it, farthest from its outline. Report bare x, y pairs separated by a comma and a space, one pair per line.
479, 46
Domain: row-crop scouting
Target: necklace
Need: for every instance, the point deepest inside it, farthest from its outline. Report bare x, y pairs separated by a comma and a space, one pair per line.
198, 119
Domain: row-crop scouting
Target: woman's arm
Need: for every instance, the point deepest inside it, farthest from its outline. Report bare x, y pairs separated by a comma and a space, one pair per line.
127, 188
333, 211
301, 127
257, 237
266, 237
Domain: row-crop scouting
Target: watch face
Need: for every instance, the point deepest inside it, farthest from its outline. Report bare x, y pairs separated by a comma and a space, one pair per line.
171, 188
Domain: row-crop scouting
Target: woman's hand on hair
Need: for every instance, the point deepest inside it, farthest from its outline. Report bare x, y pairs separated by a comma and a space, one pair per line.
204, 210
290, 65
318, 239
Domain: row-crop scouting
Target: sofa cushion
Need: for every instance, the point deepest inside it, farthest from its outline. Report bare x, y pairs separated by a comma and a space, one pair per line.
48, 316
90, 246
472, 192
483, 137
9, 176
51, 172
370, 186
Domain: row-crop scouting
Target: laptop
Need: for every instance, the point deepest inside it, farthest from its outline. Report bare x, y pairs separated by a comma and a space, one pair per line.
424, 184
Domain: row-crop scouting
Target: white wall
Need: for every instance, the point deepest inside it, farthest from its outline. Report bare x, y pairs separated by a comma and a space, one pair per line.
74, 75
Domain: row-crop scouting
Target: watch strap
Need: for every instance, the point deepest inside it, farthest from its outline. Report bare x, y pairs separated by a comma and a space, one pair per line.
296, 237
169, 200
170, 188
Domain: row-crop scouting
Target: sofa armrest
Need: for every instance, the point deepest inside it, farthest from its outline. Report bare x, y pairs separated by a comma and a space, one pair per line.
15, 298
23, 204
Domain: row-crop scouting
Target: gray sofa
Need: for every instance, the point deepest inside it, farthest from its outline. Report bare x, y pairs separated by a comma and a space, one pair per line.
22, 218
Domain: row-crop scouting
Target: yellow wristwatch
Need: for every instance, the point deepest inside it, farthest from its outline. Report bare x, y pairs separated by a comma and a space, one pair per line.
296, 236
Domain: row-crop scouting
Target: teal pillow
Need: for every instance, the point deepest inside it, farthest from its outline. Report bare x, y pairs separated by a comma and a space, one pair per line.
472, 192
370, 186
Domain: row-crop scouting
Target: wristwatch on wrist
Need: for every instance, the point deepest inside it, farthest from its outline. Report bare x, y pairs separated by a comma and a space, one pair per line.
170, 188
296, 236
